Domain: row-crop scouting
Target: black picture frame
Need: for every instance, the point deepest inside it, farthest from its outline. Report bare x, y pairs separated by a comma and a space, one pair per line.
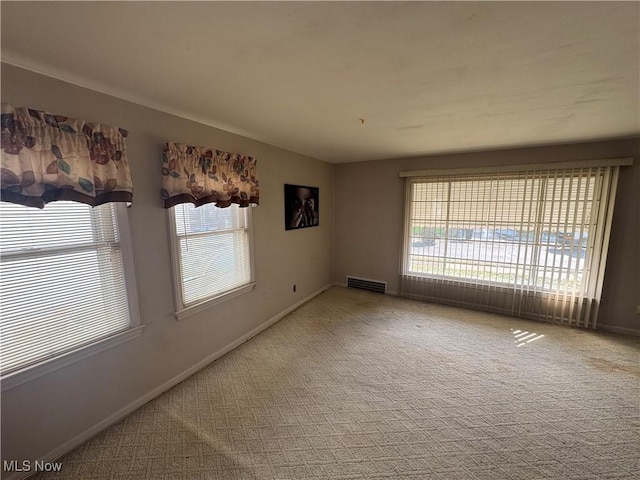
301, 206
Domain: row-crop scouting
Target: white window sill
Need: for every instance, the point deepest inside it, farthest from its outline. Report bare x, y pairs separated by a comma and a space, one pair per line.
31, 372
210, 302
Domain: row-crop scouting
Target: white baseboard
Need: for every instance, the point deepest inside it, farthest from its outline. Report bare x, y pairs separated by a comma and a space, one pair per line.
622, 330
123, 412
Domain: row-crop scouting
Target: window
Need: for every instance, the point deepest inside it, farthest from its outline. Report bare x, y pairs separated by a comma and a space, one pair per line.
529, 243
513, 231
212, 254
63, 282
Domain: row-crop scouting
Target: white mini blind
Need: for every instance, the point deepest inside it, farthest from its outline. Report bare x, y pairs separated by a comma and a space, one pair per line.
214, 254
530, 243
62, 280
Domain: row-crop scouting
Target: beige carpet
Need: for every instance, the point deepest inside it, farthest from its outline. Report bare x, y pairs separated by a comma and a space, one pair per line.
357, 385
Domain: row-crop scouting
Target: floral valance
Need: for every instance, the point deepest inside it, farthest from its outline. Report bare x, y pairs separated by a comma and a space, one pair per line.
202, 175
49, 157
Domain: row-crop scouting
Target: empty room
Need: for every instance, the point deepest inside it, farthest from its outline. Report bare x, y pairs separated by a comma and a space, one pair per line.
320, 240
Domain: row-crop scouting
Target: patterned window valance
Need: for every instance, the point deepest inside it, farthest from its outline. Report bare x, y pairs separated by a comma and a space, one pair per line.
49, 157
202, 175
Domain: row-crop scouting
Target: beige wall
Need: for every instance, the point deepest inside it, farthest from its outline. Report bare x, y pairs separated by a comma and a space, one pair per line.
43, 414
369, 200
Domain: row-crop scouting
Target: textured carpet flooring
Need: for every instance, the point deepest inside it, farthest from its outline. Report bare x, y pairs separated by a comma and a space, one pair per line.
357, 385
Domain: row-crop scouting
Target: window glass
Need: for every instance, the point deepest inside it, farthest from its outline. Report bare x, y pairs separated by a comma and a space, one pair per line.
213, 251
520, 231
62, 280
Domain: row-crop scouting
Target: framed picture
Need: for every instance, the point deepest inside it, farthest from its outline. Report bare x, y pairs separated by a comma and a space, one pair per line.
301, 207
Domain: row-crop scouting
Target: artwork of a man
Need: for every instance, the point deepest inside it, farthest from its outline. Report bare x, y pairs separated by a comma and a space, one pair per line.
301, 209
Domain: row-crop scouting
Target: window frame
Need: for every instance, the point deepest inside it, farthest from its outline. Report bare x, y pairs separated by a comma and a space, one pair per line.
183, 311
43, 367
577, 308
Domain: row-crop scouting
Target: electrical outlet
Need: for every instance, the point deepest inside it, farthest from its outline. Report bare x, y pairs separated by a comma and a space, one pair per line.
294, 288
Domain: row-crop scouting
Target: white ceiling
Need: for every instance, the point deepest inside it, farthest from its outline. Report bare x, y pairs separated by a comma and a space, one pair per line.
426, 77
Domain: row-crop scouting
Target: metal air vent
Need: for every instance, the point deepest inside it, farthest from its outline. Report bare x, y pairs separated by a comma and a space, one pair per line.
367, 284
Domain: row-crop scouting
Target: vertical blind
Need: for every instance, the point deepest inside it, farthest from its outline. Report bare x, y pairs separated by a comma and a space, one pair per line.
61, 278
213, 250
531, 243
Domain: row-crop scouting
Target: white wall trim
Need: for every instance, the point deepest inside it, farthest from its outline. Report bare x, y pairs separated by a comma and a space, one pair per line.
123, 412
621, 330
